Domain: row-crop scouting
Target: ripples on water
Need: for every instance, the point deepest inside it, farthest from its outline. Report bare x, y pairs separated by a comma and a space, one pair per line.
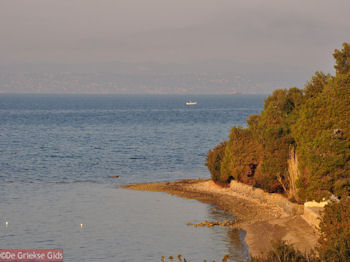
58, 157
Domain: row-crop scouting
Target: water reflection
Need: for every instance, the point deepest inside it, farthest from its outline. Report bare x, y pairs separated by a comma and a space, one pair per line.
233, 238
119, 224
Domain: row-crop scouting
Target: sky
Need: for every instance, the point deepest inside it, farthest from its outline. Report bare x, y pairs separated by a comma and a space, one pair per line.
298, 33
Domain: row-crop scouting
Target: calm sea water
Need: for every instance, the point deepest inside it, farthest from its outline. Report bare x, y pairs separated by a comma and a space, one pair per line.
58, 156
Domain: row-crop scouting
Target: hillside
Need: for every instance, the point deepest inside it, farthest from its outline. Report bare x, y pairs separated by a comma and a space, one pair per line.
299, 144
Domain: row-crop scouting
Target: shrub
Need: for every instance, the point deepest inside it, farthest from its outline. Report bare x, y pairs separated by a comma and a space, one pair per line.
284, 252
334, 242
213, 161
241, 157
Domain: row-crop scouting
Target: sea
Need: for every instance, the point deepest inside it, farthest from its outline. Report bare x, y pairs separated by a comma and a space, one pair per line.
59, 155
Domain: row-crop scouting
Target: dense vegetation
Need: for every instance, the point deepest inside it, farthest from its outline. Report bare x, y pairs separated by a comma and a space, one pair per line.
334, 242
299, 144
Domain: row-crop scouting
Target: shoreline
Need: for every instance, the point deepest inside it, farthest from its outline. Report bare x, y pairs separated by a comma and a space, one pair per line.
263, 222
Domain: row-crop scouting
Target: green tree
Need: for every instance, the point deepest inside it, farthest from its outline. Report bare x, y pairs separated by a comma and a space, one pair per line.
316, 85
314, 122
241, 157
342, 58
322, 136
273, 133
213, 160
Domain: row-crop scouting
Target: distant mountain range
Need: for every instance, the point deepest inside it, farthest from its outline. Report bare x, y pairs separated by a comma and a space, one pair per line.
215, 77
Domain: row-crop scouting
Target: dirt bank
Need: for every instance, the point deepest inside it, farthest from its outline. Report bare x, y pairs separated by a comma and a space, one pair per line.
263, 222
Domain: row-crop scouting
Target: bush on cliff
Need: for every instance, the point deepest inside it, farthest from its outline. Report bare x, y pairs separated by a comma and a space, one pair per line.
213, 161
258, 154
241, 156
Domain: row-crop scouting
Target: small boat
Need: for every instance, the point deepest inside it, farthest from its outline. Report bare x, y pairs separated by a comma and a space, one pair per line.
191, 103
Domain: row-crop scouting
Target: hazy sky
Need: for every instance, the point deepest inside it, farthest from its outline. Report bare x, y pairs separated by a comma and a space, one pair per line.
295, 32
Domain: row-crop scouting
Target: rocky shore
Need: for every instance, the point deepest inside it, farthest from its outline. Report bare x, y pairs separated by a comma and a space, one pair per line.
262, 217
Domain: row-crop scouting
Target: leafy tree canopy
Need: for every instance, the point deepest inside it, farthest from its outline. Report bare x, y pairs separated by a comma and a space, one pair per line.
314, 123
